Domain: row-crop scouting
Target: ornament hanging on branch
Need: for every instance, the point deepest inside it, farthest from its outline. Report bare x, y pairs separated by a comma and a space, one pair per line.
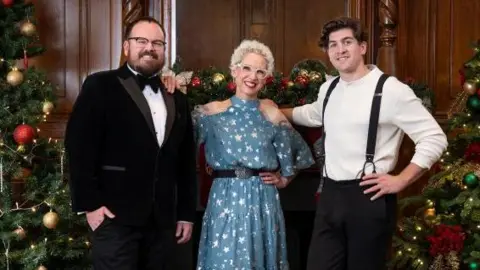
15, 77
28, 29
218, 78
470, 180
470, 87
20, 232
50, 220
7, 3
47, 107
23, 134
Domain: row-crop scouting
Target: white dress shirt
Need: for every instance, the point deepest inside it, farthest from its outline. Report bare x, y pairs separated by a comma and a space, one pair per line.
347, 119
157, 108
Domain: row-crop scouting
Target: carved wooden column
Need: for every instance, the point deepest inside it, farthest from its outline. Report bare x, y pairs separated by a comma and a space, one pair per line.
131, 10
387, 53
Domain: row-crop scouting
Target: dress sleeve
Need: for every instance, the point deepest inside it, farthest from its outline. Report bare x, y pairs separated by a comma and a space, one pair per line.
200, 124
293, 152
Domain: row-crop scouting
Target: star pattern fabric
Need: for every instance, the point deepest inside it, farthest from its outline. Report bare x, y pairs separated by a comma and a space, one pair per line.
243, 226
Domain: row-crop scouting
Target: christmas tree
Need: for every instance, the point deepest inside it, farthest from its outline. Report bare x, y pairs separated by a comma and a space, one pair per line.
444, 232
37, 228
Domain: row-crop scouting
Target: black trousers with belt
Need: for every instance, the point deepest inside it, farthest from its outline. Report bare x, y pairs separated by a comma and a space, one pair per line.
351, 232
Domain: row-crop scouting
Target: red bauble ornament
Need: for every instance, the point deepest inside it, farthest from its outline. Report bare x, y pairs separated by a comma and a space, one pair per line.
302, 80
196, 81
7, 3
231, 86
23, 134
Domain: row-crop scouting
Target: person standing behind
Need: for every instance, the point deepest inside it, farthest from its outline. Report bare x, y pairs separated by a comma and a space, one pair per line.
355, 216
131, 155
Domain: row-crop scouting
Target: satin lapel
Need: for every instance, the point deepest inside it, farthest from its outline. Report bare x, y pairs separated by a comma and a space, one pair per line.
170, 105
135, 93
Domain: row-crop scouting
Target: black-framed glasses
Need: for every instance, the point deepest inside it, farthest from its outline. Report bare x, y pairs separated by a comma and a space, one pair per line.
142, 42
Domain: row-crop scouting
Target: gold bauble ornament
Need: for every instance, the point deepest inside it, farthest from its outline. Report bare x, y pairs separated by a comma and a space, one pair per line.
28, 29
290, 84
41, 267
20, 233
470, 87
315, 76
303, 72
218, 78
47, 107
430, 213
50, 220
15, 77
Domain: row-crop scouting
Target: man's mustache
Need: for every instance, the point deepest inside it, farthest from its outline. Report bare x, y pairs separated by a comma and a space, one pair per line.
152, 54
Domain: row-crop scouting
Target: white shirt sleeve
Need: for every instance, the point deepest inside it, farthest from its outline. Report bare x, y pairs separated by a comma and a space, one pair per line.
413, 118
310, 115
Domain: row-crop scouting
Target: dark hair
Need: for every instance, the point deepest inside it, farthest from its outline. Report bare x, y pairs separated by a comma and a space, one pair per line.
129, 27
342, 23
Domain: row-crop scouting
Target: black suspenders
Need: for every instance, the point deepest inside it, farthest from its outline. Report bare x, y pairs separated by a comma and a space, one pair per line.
372, 128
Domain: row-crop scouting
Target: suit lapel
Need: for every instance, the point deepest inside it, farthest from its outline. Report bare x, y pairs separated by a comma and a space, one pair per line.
135, 93
170, 106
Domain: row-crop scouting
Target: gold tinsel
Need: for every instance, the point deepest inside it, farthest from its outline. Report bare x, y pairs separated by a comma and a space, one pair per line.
459, 104
437, 263
456, 173
450, 262
453, 262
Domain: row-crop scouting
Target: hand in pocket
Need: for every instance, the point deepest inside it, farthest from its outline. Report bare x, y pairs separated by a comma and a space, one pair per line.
95, 218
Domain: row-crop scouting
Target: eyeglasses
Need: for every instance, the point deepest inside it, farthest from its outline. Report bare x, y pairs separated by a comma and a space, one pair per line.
259, 72
142, 42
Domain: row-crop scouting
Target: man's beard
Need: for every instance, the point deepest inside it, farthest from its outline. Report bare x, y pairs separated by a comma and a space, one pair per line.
147, 69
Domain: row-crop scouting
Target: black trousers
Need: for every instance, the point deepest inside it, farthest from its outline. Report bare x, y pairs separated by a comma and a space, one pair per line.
120, 247
351, 232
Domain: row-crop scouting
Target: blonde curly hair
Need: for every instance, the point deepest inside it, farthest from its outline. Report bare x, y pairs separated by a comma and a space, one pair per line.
252, 46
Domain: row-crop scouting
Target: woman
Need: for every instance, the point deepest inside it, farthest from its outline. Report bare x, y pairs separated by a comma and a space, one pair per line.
252, 150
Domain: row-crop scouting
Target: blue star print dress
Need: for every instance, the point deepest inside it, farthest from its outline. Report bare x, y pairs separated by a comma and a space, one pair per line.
243, 225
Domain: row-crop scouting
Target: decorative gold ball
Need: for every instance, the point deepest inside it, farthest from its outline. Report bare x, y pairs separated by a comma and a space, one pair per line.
430, 213
50, 220
28, 29
15, 77
303, 72
47, 107
41, 267
315, 76
290, 84
218, 78
20, 233
470, 87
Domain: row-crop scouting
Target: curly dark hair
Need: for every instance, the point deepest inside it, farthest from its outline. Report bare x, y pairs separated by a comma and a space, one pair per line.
129, 27
342, 23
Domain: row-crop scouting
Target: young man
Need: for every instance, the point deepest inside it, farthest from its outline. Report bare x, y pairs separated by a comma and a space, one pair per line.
355, 216
132, 158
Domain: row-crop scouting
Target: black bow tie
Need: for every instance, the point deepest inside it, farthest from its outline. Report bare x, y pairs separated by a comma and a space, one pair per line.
154, 82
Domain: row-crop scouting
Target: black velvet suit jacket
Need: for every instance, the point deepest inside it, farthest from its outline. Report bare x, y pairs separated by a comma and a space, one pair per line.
115, 160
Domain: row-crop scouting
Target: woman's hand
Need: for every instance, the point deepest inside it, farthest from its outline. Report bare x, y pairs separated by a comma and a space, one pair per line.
276, 179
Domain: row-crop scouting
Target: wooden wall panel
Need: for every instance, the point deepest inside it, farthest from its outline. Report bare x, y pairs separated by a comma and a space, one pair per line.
81, 37
434, 42
207, 31
207, 36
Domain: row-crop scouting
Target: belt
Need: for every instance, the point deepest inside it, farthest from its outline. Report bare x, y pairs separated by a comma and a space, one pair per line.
242, 172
